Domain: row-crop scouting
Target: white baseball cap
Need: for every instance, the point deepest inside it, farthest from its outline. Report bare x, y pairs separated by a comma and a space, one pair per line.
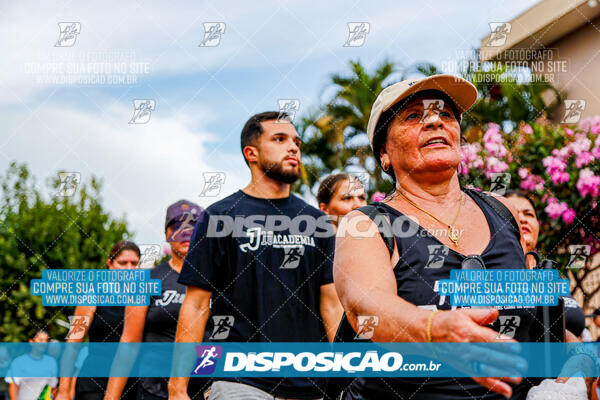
462, 93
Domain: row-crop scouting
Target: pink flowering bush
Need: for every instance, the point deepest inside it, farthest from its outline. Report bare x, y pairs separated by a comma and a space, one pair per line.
558, 166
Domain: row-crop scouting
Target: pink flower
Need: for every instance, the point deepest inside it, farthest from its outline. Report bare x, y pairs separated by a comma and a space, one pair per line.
583, 159
569, 131
526, 128
568, 216
581, 144
167, 250
532, 182
588, 183
554, 209
523, 173
470, 158
555, 167
596, 152
377, 196
493, 141
494, 166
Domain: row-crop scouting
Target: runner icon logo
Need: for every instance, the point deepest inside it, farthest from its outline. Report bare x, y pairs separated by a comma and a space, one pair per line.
508, 325
213, 181
366, 326
500, 182
212, 34
222, 326
206, 363
437, 254
78, 325
579, 255
291, 257
500, 31
142, 109
357, 33
68, 33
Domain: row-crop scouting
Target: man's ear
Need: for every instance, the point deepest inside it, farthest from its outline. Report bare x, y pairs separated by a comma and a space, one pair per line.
251, 153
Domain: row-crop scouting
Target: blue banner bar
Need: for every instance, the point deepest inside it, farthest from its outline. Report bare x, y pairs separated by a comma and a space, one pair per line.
226, 359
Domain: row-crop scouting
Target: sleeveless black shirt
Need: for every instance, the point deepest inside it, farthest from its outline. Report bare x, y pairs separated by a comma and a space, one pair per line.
417, 277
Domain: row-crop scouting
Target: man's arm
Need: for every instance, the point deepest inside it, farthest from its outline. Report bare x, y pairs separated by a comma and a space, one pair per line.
331, 310
190, 329
13, 391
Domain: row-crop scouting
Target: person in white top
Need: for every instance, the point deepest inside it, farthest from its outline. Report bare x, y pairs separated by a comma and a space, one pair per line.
23, 388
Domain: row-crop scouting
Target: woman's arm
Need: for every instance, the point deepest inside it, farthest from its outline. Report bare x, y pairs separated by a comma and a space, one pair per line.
366, 285
66, 383
133, 331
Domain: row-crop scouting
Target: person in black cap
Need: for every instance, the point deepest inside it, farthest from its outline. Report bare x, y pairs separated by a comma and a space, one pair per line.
270, 281
158, 322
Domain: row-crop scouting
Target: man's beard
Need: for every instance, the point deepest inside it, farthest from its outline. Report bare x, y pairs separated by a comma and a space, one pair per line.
274, 170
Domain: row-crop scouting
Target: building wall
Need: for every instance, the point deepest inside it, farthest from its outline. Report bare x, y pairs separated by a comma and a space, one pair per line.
581, 50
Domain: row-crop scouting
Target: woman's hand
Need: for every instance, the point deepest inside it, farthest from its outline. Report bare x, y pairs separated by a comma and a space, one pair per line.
468, 326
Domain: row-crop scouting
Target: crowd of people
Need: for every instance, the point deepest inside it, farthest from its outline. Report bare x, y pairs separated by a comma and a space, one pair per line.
274, 283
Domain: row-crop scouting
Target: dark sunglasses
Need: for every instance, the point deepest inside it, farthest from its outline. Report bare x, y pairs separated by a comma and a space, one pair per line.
472, 262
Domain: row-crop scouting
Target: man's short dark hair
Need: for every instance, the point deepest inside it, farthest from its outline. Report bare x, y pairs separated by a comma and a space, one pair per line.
253, 127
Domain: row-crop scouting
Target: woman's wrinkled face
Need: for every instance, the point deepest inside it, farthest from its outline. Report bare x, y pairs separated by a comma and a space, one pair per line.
530, 226
349, 195
128, 259
424, 137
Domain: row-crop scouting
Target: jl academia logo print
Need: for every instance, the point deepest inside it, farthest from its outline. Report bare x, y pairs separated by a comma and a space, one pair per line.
206, 363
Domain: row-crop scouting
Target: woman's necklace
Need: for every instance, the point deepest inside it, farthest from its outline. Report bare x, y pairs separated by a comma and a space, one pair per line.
452, 231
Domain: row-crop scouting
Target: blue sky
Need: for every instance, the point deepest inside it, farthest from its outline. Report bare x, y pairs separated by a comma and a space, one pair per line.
203, 95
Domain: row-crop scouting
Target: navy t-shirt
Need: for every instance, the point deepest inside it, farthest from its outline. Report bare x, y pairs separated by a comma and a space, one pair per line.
265, 272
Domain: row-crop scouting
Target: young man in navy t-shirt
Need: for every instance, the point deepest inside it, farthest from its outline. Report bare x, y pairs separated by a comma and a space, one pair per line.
264, 257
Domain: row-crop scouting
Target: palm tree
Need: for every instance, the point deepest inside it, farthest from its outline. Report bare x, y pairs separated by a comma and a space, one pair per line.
335, 134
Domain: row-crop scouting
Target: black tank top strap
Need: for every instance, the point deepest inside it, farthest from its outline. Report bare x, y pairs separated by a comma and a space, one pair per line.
498, 207
377, 214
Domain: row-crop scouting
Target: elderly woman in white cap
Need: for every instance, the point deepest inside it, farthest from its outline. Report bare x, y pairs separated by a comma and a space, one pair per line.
414, 131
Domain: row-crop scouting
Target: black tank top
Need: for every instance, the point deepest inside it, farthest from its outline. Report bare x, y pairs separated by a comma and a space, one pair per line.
417, 278
107, 326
